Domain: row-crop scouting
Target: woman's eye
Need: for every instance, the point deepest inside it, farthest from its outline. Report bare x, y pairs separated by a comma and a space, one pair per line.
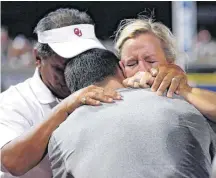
151, 62
132, 64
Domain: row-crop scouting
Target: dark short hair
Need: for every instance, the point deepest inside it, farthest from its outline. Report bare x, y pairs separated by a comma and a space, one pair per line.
90, 67
57, 19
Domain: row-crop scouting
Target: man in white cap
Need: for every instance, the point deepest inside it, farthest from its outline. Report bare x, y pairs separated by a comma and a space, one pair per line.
27, 118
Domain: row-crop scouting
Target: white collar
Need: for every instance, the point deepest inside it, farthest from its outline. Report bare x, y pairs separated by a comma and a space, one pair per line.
43, 94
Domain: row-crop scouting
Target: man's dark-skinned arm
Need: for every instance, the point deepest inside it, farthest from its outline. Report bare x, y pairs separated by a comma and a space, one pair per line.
26, 151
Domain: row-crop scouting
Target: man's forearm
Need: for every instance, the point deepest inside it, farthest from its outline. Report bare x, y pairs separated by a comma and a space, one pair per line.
25, 152
203, 100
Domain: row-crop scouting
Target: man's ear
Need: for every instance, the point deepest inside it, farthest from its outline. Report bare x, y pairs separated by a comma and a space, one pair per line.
37, 58
122, 67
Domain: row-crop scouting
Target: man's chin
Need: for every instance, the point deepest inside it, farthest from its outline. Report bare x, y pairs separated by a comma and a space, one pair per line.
62, 93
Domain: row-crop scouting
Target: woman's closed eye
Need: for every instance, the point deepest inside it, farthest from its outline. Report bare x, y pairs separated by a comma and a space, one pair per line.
150, 60
131, 64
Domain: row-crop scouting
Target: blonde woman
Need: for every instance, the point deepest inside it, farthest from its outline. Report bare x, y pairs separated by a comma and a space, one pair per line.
147, 50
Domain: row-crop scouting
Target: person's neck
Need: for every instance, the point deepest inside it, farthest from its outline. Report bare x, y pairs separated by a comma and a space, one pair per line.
110, 83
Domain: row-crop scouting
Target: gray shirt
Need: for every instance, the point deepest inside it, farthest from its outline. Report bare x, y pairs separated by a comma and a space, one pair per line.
144, 135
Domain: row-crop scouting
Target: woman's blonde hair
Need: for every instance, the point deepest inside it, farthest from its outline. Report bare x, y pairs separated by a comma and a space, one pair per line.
131, 28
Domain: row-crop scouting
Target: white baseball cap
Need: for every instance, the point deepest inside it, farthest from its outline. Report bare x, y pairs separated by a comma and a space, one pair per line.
71, 40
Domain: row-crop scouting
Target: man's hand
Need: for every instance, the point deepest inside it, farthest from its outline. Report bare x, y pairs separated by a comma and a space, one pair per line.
169, 76
91, 95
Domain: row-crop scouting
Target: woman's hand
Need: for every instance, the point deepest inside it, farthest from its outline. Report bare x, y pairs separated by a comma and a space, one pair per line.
139, 80
91, 95
168, 77
165, 77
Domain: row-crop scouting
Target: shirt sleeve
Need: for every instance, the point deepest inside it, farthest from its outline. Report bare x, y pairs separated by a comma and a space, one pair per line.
56, 159
12, 124
61, 147
212, 129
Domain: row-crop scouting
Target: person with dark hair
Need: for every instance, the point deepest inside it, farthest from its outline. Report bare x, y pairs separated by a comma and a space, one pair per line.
100, 64
141, 136
30, 111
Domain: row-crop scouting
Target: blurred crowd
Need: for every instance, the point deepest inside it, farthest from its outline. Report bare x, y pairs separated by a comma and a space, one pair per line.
204, 49
16, 52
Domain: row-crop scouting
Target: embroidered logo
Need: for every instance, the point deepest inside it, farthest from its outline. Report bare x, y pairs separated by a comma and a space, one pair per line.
77, 32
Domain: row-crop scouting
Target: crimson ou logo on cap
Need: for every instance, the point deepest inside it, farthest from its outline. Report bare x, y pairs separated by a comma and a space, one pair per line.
77, 32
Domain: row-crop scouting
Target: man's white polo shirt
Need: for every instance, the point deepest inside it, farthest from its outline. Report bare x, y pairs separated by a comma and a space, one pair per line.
21, 107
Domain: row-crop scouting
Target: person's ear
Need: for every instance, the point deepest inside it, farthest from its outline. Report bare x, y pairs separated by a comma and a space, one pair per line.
122, 67
170, 61
120, 74
37, 58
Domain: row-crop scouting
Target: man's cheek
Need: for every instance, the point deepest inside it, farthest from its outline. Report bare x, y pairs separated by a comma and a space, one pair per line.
58, 79
61, 79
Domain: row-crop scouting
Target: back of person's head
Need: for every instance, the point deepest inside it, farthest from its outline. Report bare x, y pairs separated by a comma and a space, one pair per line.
60, 18
90, 67
131, 28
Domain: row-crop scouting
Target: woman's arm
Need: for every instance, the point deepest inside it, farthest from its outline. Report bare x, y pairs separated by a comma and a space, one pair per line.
203, 100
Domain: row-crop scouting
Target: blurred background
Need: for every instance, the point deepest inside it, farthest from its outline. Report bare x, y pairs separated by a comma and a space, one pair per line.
193, 23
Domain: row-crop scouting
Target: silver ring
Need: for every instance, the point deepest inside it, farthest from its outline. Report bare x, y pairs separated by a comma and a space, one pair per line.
174, 79
83, 100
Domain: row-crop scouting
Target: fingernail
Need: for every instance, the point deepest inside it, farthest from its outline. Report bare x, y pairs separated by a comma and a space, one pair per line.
119, 97
98, 102
110, 99
136, 85
159, 93
153, 89
169, 95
